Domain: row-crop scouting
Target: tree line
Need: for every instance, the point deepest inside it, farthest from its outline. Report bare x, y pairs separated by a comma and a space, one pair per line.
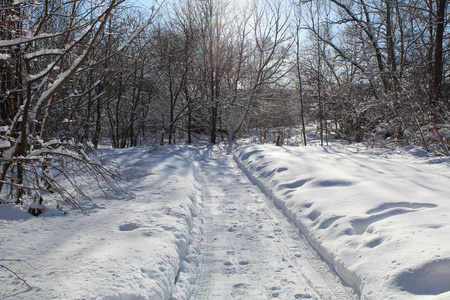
384, 68
76, 74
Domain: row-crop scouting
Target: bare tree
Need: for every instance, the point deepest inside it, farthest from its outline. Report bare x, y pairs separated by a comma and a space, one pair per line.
47, 59
298, 68
389, 45
267, 63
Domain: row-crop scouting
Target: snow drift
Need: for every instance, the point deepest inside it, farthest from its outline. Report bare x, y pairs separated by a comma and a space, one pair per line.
382, 222
132, 246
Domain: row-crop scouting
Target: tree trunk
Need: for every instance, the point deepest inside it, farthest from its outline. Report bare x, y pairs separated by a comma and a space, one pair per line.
438, 52
96, 136
213, 123
390, 45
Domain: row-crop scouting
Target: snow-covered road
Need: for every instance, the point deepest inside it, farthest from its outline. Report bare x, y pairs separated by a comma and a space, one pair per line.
251, 251
194, 224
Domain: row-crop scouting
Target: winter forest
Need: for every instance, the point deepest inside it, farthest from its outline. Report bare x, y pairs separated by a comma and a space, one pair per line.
82, 76
80, 72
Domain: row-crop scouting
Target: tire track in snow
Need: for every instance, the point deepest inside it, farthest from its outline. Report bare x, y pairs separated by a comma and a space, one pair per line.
251, 251
334, 288
204, 282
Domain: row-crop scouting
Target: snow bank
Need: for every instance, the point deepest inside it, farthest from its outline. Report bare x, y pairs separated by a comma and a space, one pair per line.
133, 246
380, 220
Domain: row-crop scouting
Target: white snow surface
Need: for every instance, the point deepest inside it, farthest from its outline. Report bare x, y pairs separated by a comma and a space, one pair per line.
193, 226
381, 220
128, 248
251, 251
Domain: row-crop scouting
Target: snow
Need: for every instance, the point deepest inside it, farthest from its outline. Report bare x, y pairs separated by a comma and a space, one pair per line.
26, 39
380, 220
4, 144
192, 225
127, 248
4, 56
251, 251
44, 51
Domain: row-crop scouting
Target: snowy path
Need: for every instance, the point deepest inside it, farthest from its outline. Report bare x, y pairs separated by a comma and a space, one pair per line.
251, 250
192, 226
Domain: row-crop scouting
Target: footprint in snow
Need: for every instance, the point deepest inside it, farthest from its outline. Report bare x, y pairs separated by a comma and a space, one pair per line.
275, 291
239, 285
231, 229
129, 227
303, 296
432, 278
275, 294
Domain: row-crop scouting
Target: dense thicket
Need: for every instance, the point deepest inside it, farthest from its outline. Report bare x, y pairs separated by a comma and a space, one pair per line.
383, 67
75, 74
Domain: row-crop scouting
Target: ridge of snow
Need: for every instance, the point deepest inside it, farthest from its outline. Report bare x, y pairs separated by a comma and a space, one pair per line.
127, 248
42, 52
379, 221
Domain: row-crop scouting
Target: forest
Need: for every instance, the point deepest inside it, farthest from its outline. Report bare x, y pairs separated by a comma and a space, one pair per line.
77, 75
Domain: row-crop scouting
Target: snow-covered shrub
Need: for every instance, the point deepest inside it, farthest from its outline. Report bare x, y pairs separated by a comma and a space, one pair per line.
53, 172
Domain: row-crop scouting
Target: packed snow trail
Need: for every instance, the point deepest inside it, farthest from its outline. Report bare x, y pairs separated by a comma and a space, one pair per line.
251, 251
